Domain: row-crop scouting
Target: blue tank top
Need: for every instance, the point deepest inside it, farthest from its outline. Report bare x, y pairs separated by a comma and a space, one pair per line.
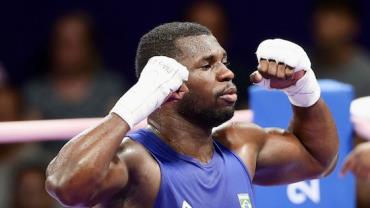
223, 182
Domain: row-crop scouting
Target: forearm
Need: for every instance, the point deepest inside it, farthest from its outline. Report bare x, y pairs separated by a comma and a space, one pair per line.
316, 130
85, 159
88, 166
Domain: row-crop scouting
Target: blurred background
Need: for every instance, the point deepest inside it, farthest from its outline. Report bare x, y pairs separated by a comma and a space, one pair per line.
69, 59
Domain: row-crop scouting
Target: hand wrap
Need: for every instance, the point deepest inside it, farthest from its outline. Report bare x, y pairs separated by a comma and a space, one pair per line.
160, 76
306, 91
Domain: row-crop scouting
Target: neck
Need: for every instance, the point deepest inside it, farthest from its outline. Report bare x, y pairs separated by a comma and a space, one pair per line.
184, 137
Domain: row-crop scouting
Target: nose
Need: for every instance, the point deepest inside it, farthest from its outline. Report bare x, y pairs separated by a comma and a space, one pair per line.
225, 74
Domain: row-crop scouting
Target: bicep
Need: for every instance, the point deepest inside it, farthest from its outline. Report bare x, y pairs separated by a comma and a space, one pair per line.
117, 176
126, 168
283, 159
114, 180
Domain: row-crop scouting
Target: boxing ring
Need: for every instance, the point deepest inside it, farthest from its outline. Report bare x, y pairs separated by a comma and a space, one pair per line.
332, 191
62, 129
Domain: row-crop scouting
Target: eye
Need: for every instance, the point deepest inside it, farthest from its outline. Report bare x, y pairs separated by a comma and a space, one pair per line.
206, 67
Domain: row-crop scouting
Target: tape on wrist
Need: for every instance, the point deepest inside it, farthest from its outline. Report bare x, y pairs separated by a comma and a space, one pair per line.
306, 92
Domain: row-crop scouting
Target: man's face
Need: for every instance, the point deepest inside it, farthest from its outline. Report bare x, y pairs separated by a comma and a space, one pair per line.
71, 46
212, 95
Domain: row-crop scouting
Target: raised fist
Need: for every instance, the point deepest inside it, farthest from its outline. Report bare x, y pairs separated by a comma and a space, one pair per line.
285, 65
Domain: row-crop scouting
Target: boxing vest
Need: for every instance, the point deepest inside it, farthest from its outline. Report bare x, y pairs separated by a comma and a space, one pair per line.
223, 182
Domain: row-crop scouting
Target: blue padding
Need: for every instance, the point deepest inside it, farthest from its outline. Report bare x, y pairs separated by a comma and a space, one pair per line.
272, 109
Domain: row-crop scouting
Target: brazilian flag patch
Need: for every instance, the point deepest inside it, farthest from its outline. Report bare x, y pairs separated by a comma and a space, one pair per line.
244, 200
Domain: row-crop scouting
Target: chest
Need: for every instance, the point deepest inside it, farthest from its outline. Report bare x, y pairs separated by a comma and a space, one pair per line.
225, 183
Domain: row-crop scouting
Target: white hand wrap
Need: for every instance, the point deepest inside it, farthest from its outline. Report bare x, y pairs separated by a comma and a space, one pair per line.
306, 91
160, 76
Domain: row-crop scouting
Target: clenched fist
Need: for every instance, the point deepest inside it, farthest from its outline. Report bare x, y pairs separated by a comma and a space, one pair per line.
285, 65
160, 77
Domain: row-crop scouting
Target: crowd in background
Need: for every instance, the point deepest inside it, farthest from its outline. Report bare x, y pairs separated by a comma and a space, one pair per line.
75, 83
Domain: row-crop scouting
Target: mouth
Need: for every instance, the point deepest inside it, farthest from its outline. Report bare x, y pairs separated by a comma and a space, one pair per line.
229, 95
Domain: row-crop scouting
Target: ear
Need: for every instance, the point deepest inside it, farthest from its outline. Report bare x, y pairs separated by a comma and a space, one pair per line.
178, 94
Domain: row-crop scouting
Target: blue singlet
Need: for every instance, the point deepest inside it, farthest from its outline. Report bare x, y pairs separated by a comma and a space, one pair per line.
223, 182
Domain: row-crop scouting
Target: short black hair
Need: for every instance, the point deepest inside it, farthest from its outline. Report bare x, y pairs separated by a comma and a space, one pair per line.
161, 41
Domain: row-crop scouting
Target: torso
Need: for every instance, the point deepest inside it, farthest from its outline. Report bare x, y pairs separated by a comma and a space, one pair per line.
145, 187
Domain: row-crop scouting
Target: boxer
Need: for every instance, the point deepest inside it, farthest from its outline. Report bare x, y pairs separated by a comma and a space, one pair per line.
185, 89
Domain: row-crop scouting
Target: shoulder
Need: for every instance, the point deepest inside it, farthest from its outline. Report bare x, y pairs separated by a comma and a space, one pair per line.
144, 173
136, 157
132, 152
244, 139
237, 134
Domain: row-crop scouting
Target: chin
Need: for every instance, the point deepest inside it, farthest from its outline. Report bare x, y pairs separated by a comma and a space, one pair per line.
196, 112
209, 118
220, 119
224, 114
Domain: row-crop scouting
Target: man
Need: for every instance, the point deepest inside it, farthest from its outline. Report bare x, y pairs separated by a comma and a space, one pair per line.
177, 161
337, 54
76, 83
357, 161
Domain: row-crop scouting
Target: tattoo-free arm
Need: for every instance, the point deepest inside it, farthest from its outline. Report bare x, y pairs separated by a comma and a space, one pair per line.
307, 150
87, 169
